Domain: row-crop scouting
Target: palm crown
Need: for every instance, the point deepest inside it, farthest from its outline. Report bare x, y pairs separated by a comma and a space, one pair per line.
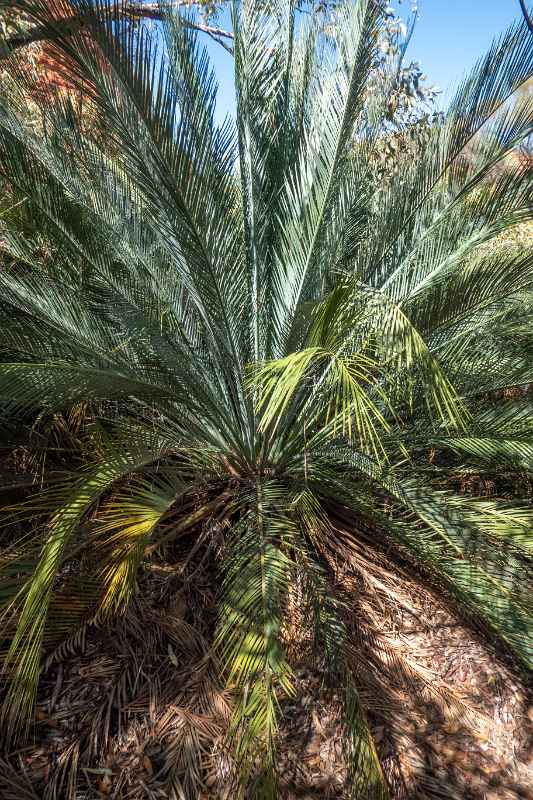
270, 340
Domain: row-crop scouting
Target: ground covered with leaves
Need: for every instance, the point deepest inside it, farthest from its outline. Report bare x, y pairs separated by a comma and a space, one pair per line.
136, 710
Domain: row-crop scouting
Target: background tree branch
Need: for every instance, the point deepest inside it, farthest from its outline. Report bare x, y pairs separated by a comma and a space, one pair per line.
526, 14
134, 11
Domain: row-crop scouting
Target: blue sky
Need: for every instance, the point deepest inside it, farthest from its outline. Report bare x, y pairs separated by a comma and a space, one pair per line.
450, 36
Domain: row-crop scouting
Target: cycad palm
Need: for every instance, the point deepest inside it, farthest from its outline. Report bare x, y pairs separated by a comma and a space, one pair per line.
259, 325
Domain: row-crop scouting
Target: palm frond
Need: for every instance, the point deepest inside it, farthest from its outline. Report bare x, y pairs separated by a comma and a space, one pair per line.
125, 524
285, 359
32, 601
254, 593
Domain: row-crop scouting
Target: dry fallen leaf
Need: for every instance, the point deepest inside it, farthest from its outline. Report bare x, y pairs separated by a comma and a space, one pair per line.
179, 609
172, 655
104, 785
318, 725
42, 716
147, 764
313, 746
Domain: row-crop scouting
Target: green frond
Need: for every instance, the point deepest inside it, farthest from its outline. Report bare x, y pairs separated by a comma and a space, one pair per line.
342, 384
123, 529
32, 601
365, 778
458, 541
479, 548
366, 773
314, 202
257, 575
